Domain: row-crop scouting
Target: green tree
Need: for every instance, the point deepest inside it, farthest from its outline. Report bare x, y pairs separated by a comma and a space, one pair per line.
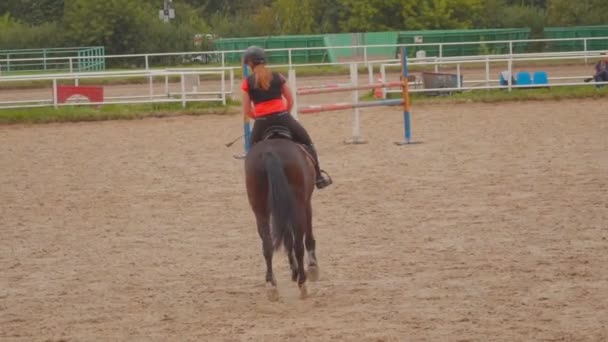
372, 15
131, 26
16, 35
295, 16
119, 25
588, 12
382, 15
328, 14
33, 12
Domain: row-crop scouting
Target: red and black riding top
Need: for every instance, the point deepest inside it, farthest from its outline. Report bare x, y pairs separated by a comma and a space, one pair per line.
266, 102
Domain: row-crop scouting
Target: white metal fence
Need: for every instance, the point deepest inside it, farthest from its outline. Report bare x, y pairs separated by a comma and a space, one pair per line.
492, 66
184, 85
160, 60
154, 86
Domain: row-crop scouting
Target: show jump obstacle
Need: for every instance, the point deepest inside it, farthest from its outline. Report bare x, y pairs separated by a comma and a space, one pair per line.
354, 87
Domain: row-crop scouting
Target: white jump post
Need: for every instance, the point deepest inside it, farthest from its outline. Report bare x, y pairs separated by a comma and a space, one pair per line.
384, 78
291, 76
354, 87
354, 80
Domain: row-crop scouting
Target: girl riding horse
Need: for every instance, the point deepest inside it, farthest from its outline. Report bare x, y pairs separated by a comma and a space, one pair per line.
265, 90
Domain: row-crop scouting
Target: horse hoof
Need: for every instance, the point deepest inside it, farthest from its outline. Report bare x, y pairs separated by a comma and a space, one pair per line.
303, 291
272, 292
313, 273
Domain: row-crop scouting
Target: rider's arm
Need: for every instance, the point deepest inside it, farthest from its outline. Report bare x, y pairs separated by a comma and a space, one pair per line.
288, 96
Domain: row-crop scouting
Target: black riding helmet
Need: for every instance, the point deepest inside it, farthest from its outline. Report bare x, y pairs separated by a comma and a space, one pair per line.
255, 55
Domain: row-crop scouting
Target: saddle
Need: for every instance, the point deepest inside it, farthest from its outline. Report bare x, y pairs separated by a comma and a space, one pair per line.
281, 132
277, 132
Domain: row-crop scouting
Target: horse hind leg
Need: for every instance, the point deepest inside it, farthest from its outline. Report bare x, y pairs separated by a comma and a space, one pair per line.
299, 252
271, 283
292, 259
313, 266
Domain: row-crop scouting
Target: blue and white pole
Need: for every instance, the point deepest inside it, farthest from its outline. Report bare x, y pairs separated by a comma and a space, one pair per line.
246, 124
406, 100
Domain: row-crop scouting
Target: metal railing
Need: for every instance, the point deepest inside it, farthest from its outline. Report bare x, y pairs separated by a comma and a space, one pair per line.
52, 59
176, 86
147, 61
488, 82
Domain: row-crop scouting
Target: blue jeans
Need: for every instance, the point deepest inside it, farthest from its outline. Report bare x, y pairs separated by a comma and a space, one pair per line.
601, 76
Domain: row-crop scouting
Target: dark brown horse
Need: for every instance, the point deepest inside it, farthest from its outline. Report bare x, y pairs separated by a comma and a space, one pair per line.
280, 180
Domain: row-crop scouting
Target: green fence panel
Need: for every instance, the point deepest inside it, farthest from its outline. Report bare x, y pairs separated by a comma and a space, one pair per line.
319, 55
344, 46
381, 38
462, 36
333, 42
576, 32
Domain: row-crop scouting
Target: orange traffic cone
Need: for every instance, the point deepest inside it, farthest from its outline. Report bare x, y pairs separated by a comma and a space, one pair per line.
378, 90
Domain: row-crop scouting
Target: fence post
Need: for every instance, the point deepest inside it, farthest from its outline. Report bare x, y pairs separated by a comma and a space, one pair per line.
511, 48
289, 59
44, 58
147, 62
232, 91
183, 86
440, 51
223, 59
223, 89
150, 85
585, 48
510, 68
55, 93
71, 67
487, 71
8, 63
167, 85
458, 76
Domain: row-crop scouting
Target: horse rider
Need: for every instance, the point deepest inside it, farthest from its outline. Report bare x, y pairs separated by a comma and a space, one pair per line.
601, 70
265, 89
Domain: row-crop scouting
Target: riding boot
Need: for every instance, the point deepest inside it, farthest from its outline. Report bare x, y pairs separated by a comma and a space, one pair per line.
323, 179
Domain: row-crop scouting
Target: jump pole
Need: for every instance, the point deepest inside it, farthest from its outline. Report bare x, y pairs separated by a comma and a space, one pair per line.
246, 124
406, 99
343, 106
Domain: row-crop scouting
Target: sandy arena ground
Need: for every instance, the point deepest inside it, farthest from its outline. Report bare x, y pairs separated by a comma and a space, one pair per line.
494, 228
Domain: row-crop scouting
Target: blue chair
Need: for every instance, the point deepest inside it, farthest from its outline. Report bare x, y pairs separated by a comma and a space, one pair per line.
541, 78
524, 78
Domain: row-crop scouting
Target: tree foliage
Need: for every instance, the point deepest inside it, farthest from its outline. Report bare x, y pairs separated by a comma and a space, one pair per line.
133, 26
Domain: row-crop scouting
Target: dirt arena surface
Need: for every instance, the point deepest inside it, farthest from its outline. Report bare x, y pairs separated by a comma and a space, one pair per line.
494, 228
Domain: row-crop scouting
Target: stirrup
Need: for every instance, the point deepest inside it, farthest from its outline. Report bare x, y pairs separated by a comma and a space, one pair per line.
323, 180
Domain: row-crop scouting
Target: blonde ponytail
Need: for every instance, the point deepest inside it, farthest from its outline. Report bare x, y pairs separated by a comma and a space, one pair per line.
263, 76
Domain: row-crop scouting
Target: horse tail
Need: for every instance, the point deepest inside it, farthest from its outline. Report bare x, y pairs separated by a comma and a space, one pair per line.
282, 203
